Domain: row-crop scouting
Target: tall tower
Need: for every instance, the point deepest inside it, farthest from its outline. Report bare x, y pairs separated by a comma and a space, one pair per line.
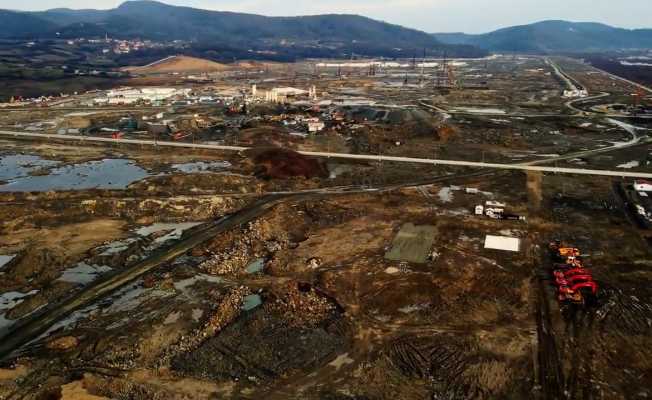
254, 90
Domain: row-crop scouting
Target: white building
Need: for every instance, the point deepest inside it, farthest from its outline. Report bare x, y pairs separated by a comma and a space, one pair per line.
282, 94
130, 96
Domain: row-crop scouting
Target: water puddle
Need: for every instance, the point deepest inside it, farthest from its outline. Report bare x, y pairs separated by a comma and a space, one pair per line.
4, 260
10, 300
83, 273
183, 285
116, 247
14, 166
252, 301
102, 174
255, 266
174, 230
5, 324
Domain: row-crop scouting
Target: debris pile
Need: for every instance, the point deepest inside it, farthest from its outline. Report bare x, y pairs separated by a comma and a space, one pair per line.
227, 310
232, 253
302, 305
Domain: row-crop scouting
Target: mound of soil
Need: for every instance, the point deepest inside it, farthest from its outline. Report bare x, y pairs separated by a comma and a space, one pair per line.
178, 64
282, 164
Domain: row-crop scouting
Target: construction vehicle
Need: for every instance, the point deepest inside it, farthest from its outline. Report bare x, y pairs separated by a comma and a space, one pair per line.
566, 295
579, 293
571, 280
591, 285
567, 257
574, 283
569, 263
570, 272
558, 247
568, 252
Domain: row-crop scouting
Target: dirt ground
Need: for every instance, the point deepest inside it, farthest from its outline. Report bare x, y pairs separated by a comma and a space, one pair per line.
309, 293
335, 310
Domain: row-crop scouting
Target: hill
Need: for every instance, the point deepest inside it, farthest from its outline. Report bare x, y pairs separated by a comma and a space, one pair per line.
23, 25
555, 36
319, 35
181, 64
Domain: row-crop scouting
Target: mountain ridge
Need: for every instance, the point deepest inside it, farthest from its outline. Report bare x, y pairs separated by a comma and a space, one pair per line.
554, 36
148, 19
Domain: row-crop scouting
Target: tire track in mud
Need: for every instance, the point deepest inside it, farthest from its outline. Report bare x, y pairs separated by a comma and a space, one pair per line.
551, 377
579, 345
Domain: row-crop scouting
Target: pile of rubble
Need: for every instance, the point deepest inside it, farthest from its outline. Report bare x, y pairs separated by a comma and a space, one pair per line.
302, 305
232, 255
227, 310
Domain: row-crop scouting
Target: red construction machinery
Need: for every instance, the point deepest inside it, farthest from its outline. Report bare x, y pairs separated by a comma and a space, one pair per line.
574, 283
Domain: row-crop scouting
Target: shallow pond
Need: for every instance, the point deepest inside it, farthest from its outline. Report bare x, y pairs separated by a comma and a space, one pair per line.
101, 174
14, 166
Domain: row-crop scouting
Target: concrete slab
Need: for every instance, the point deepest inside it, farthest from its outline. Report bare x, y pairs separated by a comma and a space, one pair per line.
502, 243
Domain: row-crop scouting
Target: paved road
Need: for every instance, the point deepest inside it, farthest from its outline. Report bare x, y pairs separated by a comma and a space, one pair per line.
566, 78
571, 103
365, 157
578, 114
620, 78
98, 110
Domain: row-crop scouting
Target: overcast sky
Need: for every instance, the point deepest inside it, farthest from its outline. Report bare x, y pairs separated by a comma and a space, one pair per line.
471, 16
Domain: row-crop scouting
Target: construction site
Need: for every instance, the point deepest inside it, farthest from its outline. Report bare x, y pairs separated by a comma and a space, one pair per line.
427, 228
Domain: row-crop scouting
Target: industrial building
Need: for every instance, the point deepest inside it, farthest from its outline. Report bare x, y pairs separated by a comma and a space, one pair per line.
131, 96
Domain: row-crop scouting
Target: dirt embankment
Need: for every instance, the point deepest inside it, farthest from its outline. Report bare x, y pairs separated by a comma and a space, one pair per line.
180, 64
283, 164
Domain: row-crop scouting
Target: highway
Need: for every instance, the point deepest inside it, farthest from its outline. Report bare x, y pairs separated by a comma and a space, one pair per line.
638, 85
578, 113
363, 157
569, 82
